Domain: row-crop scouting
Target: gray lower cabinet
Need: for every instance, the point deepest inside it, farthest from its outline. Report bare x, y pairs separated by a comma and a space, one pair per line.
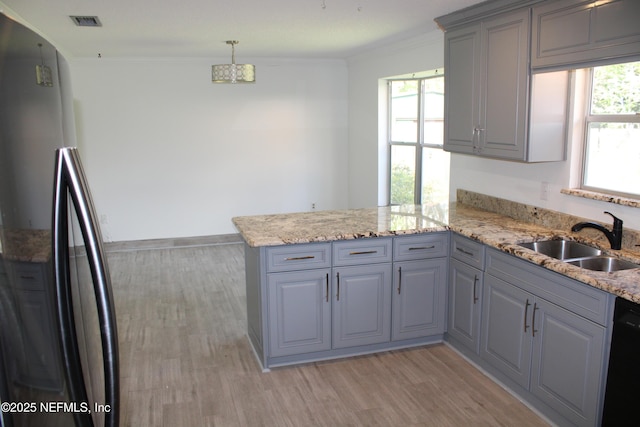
362, 305
567, 363
320, 301
419, 298
361, 292
578, 33
419, 292
506, 329
465, 304
299, 312
546, 334
466, 280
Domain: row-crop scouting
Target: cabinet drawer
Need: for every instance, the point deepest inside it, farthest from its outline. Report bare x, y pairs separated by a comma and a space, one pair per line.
298, 257
432, 245
468, 251
28, 276
365, 251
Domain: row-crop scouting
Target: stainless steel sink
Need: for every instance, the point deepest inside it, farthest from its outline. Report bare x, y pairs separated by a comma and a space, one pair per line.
603, 263
579, 254
562, 249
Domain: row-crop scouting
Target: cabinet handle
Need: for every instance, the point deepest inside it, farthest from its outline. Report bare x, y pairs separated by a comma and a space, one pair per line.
327, 293
422, 248
363, 252
476, 137
533, 321
526, 308
475, 295
399, 279
298, 258
464, 252
27, 277
338, 287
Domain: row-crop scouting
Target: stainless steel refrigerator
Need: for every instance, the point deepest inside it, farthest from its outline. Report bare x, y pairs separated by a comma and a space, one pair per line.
58, 334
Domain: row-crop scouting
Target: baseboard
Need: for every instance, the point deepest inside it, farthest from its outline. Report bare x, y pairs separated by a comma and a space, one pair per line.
178, 242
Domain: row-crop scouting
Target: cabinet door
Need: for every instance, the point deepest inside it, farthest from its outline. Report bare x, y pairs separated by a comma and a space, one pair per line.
462, 89
506, 336
574, 33
465, 302
419, 298
567, 362
299, 312
361, 305
504, 86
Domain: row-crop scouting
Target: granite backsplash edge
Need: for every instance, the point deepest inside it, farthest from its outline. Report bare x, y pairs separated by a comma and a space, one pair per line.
544, 217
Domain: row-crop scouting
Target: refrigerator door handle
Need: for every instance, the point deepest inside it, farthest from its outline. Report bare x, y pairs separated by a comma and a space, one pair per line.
70, 181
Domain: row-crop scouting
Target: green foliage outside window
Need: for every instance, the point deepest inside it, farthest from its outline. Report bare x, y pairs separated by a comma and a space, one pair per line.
612, 91
402, 189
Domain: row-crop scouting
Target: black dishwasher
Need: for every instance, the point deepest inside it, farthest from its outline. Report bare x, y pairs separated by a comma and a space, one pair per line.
622, 395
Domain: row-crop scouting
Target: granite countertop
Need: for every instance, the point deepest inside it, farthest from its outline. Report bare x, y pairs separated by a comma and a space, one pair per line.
493, 229
25, 245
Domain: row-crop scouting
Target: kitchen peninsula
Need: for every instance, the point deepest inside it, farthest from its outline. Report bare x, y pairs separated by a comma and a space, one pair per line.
330, 284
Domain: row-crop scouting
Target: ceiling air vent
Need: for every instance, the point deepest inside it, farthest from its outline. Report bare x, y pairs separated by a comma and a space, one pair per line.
86, 21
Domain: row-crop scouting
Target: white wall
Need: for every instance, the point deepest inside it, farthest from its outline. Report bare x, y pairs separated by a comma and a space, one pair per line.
169, 154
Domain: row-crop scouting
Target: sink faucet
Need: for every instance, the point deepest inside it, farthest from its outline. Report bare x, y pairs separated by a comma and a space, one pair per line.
614, 236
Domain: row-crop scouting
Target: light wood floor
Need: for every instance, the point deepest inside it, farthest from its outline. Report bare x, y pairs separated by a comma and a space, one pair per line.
185, 361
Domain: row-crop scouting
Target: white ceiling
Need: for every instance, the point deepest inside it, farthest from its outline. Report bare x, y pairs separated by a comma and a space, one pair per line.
199, 28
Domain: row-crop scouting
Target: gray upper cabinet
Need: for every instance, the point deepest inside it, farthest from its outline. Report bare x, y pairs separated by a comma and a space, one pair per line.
578, 33
462, 87
490, 98
501, 129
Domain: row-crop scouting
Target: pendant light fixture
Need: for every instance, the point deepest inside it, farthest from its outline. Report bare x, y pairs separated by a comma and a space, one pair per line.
43, 72
233, 73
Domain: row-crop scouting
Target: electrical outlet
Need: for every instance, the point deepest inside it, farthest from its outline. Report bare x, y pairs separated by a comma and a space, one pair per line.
313, 206
544, 191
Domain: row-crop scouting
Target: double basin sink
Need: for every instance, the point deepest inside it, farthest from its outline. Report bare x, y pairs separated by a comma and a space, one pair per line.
579, 254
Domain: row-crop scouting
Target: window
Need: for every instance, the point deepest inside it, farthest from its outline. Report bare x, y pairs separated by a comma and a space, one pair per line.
611, 161
419, 168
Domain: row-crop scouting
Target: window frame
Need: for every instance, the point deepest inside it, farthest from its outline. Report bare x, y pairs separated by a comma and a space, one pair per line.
600, 118
419, 145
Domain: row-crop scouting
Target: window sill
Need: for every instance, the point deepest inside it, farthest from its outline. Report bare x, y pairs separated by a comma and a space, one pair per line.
603, 197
